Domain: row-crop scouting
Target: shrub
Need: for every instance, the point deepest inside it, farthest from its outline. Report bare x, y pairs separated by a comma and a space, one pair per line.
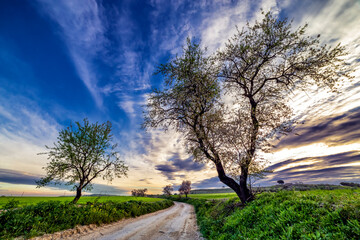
12, 203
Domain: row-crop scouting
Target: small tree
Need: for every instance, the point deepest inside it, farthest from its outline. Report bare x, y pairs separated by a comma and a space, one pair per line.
185, 188
350, 184
139, 192
281, 182
81, 154
167, 190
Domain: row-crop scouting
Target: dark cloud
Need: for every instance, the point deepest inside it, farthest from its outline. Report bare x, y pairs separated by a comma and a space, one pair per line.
333, 175
176, 164
166, 170
108, 190
213, 182
188, 164
145, 180
324, 169
18, 177
341, 129
323, 161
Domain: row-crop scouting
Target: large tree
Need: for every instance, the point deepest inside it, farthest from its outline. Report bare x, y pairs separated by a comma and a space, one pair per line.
259, 67
82, 153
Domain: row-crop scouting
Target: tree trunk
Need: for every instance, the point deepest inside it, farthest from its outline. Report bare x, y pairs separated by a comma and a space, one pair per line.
78, 195
241, 190
243, 184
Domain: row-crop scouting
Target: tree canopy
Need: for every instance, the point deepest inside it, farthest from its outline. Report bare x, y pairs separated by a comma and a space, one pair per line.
168, 189
185, 187
139, 192
258, 68
82, 153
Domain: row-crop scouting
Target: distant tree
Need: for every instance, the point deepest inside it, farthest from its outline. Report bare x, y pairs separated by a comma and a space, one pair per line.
350, 184
257, 171
167, 190
82, 153
281, 182
259, 67
185, 188
139, 192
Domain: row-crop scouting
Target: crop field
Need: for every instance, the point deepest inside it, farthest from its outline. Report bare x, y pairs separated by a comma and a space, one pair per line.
212, 195
24, 201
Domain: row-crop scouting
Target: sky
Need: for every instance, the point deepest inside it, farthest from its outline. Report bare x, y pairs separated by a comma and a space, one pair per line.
63, 61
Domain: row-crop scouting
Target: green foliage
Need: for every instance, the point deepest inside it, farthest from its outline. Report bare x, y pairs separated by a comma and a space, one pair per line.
185, 187
25, 201
12, 203
52, 216
213, 196
139, 192
316, 214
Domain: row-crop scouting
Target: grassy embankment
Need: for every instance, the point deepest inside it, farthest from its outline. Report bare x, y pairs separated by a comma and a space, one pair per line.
314, 214
210, 196
35, 219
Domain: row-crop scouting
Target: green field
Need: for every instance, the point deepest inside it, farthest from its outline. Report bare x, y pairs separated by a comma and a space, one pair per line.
24, 201
213, 195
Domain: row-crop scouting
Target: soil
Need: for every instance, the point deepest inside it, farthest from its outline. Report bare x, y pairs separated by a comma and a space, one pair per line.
176, 222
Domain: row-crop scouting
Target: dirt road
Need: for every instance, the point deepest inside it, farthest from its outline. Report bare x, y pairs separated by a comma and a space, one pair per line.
176, 222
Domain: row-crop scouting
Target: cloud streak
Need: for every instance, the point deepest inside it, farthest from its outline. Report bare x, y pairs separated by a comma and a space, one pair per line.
176, 165
83, 31
333, 130
24, 178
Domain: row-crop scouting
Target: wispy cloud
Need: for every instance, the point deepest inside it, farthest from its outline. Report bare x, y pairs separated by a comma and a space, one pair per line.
83, 30
24, 132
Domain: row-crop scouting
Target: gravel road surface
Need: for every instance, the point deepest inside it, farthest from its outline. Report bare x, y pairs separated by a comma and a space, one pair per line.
176, 222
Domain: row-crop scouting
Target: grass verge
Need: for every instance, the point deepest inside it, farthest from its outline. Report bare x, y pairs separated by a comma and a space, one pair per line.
316, 214
53, 216
24, 201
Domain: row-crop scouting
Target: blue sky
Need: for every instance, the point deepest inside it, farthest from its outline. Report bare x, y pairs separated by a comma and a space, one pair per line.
62, 61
